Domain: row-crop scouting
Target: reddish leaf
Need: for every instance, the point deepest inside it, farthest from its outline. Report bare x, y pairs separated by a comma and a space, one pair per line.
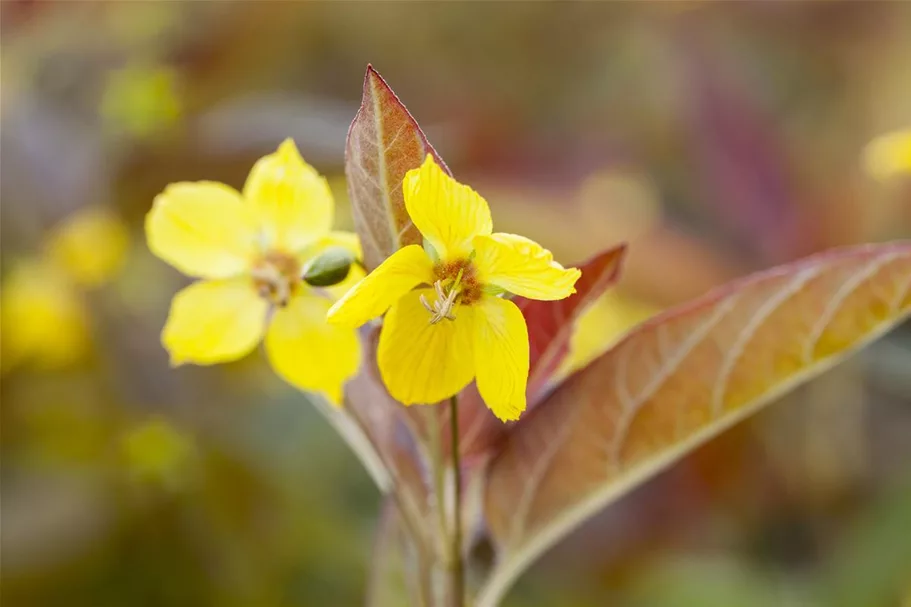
550, 325
384, 143
675, 382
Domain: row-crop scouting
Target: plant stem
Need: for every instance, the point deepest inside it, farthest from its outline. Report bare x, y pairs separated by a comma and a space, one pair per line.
439, 478
458, 570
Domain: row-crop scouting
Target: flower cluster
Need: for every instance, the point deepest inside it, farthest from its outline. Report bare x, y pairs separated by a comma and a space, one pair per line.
450, 319
45, 319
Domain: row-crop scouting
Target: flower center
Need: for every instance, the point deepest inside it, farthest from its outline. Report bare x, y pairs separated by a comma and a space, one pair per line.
456, 284
276, 277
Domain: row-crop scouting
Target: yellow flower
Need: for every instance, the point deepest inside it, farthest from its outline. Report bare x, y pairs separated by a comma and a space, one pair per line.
251, 250
889, 155
457, 325
91, 246
44, 319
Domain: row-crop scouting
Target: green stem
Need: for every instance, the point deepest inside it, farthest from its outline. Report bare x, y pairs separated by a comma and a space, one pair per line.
458, 570
439, 478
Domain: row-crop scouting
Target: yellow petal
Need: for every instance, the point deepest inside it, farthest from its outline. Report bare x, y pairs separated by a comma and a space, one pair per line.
889, 155
345, 240
401, 272
420, 362
501, 356
348, 240
90, 246
203, 229
293, 201
446, 212
336, 292
214, 322
523, 267
309, 353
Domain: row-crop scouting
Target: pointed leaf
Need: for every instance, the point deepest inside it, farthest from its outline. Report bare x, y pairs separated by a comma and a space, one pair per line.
675, 382
384, 143
550, 326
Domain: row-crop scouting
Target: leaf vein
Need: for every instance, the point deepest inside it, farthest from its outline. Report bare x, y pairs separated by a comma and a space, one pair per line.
536, 475
759, 317
667, 368
835, 304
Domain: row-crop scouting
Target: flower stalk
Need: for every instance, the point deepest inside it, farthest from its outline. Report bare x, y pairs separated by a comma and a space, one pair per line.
458, 568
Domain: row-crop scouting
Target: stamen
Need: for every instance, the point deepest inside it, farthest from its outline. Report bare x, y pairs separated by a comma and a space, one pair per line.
423, 299
444, 305
276, 278
438, 285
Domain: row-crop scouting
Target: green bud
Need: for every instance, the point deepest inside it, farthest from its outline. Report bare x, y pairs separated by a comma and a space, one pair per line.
330, 268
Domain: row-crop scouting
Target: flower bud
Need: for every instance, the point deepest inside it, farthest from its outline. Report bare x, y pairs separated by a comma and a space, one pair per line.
330, 268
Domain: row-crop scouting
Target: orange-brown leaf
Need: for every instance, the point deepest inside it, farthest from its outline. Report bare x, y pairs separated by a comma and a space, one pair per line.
384, 143
675, 382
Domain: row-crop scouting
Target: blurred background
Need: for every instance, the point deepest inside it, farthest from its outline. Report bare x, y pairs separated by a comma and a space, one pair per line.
718, 139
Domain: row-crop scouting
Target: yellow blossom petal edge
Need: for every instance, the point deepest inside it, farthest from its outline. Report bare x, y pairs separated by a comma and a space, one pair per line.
501, 353
372, 296
309, 353
421, 363
448, 213
523, 267
214, 322
889, 155
346, 240
293, 201
203, 229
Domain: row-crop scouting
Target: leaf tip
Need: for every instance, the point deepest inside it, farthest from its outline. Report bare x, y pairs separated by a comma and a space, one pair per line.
618, 254
373, 78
